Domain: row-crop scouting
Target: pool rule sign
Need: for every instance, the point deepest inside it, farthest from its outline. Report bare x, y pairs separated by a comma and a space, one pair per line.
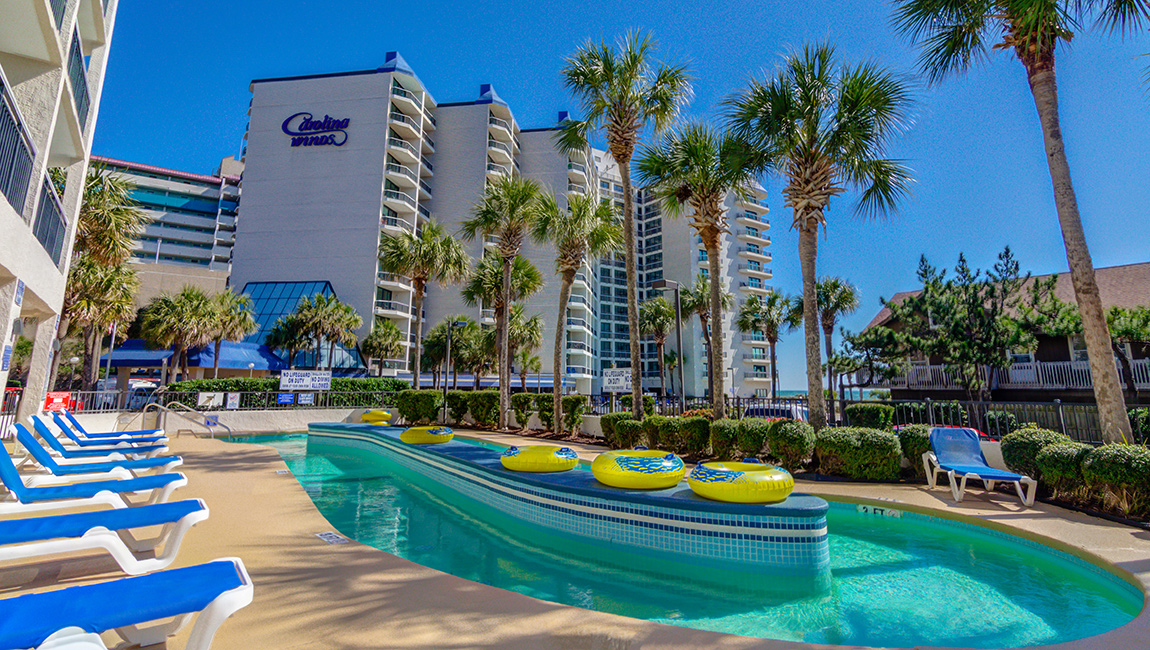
617, 380
305, 380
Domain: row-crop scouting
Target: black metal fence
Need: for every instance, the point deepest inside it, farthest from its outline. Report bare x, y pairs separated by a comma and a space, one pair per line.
8, 404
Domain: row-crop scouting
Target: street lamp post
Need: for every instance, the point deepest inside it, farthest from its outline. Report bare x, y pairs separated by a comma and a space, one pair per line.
251, 369
447, 365
72, 362
671, 284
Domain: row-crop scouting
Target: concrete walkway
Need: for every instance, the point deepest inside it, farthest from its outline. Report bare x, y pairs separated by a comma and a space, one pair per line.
313, 595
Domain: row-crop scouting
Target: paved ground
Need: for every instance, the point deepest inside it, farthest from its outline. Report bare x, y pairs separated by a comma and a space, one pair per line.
313, 595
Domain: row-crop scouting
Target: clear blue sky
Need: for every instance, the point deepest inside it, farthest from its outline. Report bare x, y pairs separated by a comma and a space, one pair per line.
177, 93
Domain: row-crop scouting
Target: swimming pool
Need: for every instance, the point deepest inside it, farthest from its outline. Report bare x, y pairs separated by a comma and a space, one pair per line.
894, 582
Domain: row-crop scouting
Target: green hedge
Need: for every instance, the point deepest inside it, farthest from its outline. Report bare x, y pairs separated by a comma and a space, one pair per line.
724, 436
696, 433
791, 442
949, 414
1140, 425
1061, 466
936, 413
628, 433
911, 413
1020, 449
523, 404
607, 424
573, 408
457, 404
914, 440
663, 432
1000, 423
484, 407
265, 384
648, 403
1121, 474
859, 453
871, 416
417, 406
545, 406
752, 436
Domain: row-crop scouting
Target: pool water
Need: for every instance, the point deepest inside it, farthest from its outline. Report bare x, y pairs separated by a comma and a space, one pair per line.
894, 582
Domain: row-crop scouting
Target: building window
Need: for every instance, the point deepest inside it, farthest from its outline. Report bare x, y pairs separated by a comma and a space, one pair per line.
755, 283
1077, 349
754, 266
753, 248
752, 232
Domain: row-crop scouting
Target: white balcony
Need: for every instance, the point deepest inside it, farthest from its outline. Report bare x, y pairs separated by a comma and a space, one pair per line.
393, 281
495, 171
499, 129
759, 221
392, 309
753, 236
499, 151
402, 150
428, 119
758, 272
760, 290
573, 188
487, 315
1034, 375
399, 201
403, 124
578, 324
577, 172
753, 252
407, 101
400, 175
427, 145
757, 376
395, 225
425, 168
760, 359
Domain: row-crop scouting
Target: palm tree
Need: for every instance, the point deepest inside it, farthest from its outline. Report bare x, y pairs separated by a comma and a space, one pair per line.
954, 36
429, 256
98, 296
587, 228
289, 334
508, 212
696, 167
670, 362
181, 321
768, 314
824, 127
835, 297
527, 363
384, 342
523, 333
696, 299
656, 319
485, 287
622, 89
340, 328
233, 322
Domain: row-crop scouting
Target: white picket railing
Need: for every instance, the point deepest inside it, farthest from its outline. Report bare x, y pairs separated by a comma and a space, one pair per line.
1046, 375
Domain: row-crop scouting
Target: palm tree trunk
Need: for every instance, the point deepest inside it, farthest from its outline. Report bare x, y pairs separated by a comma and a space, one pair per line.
291, 358
624, 163
331, 355
808, 249
418, 294
86, 371
184, 363
557, 358
61, 334
662, 372
216, 360
523, 385
828, 332
503, 348
1107, 391
707, 349
774, 372
718, 393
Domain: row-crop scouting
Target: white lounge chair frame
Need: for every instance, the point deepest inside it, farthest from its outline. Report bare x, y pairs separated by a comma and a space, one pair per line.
958, 488
106, 498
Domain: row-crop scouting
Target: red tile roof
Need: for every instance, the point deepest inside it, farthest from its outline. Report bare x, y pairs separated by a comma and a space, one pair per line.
152, 169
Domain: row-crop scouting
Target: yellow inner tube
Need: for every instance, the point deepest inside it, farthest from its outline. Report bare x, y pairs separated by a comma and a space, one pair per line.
639, 469
539, 458
376, 417
741, 482
432, 435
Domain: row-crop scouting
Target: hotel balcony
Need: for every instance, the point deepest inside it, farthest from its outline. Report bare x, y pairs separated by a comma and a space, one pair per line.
23, 34
427, 145
16, 154
495, 171
393, 281
760, 290
748, 235
424, 191
579, 302
579, 372
760, 271
404, 125
428, 119
499, 129
753, 252
750, 357
579, 347
754, 338
578, 324
392, 309
403, 150
491, 241
573, 188
407, 101
1034, 375
757, 376
753, 203
398, 201
487, 315
499, 151
401, 175
577, 172
395, 225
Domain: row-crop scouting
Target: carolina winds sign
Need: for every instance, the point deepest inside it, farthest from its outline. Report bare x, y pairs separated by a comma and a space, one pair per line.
306, 131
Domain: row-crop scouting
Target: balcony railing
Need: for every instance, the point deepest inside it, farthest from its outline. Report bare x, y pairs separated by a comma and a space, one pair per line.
402, 144
578, 345
78, 75
392, 305
394, 278
58, 9
429, 142
425, 213
396, 116
755, 337
574, 166
16, 154
395, 222
426, 163
577, 189
50, 227
498, 169
495, 121
406, 94
402, 197
488, 314
401, 170
429, 117
1041, 375
578, 322
578, 370
425, 187
495, 144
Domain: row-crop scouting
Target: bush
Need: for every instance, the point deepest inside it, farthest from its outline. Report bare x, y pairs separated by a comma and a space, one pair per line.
573, 408
872, 416
724, 435
949, 414
1140, 425
523, 404
792, 442
663, 432
911, 413
484, 407
419, 405
1121, 473
545, 405
607, 423
628, 433
457, 404
696, 435
648, 403
708, 413
914, 440
1020, 449
1061, 465
859, 453
752, 436
1000, 423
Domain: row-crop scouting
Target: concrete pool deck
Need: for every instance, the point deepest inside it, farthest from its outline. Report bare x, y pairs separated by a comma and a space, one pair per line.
313, 595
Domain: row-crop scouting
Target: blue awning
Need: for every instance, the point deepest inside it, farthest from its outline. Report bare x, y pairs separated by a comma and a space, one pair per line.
134, 354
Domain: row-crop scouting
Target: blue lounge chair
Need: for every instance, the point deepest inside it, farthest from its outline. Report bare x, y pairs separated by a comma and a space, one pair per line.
67, 430
957, 452
217, 590
121, 448
113, 493
110, 530
129, 468
109, 434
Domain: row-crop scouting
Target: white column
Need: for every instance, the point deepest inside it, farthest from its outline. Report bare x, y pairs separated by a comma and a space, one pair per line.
9, 312
39, 367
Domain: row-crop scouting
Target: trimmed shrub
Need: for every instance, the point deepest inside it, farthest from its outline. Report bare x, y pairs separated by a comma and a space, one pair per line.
724, 436
1000, 423
573, 407
696, 435
545, 406
523, 404
1020, 449
648, 403
663, 432
752, 436
484, 407
949, 414
1061, 465
792, 442
419, 405
457, 404
914, 440
708, 413
607, 423
871, 416
1121, 473
628, 433
1140, 425
859, 453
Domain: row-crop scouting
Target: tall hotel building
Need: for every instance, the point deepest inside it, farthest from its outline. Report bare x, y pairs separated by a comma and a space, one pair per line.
335, 162
53, 54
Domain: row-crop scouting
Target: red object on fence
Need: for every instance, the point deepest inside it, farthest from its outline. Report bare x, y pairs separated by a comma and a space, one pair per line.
58, 401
